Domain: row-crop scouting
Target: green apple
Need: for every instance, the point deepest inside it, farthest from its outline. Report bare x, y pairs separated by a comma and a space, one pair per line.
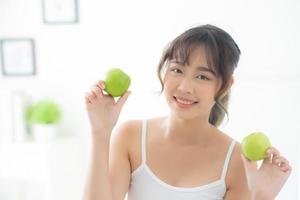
255, 146
116, 82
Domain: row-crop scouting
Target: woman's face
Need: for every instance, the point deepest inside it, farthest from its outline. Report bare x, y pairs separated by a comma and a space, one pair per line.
195, 83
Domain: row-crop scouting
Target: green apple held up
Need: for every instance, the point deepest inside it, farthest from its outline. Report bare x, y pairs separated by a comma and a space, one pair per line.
117, 82
255, 146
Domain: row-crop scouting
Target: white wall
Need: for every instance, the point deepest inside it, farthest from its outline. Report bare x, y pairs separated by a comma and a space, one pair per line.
132, 34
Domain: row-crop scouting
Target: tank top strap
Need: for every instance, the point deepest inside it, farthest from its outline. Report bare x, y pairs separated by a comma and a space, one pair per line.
144, 134
227, 159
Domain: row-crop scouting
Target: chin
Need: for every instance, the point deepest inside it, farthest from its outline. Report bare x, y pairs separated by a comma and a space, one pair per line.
185, 115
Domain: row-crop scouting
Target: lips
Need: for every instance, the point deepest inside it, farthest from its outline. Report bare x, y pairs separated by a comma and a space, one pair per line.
184, 100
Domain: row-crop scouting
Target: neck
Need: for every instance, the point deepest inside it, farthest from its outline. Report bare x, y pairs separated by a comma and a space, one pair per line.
185, 132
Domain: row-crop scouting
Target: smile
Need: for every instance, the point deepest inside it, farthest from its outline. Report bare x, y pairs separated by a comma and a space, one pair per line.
184, 103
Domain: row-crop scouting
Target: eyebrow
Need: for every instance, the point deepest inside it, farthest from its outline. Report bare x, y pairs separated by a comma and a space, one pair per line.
198, 68
206, 69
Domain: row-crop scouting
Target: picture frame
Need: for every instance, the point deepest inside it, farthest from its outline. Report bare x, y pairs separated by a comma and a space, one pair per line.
18, 57
60, 11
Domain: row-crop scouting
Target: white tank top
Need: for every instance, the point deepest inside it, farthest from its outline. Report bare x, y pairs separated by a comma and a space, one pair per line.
145, 185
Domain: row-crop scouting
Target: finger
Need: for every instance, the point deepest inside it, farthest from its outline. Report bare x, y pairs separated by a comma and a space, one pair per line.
121, 101
268, 159
278, 162
281, 162
284, 161
285, 168
86, 98
94, 88
97, 91
89, 97
273, 154
101, 84
93, 94
275, 151
289, 169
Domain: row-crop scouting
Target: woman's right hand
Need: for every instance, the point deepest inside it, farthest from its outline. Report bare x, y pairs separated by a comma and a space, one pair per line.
267, 181
103, 110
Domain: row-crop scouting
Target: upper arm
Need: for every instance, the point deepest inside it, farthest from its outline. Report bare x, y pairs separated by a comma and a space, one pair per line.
236, 181
119, 164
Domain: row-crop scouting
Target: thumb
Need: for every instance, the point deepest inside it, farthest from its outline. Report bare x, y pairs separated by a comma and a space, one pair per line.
121, 101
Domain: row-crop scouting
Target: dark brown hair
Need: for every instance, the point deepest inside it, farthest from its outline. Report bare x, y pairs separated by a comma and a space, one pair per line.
222, 54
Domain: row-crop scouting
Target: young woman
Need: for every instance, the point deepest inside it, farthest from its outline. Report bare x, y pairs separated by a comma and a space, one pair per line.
181, 156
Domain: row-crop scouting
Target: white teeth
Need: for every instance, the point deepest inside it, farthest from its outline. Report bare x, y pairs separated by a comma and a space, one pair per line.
184, 102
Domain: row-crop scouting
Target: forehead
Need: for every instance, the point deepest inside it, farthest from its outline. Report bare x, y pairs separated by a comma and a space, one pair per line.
198, 57
195, 56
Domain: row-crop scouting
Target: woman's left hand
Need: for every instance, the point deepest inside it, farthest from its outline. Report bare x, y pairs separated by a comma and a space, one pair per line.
267, 181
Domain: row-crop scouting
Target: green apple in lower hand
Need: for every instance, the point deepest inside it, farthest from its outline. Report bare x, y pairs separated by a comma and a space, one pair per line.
255, 146
117, 82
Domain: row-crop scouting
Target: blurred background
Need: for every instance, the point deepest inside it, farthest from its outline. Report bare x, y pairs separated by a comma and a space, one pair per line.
52, 51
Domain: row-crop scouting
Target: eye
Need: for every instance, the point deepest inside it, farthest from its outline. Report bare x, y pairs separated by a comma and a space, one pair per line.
176, 70
202, 77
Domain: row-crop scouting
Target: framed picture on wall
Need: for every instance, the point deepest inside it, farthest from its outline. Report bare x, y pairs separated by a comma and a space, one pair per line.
18, 57
60, 11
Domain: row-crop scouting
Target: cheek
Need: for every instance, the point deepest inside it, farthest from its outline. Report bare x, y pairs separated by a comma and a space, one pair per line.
169, 85
167, 92
207, 95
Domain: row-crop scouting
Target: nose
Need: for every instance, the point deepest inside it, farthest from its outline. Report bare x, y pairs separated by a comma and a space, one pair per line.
185, 86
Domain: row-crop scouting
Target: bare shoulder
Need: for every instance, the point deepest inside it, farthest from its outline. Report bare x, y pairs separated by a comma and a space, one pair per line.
236, 164
237, 150
126, 130
131, 129
236, 180
130, 136
127, 135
